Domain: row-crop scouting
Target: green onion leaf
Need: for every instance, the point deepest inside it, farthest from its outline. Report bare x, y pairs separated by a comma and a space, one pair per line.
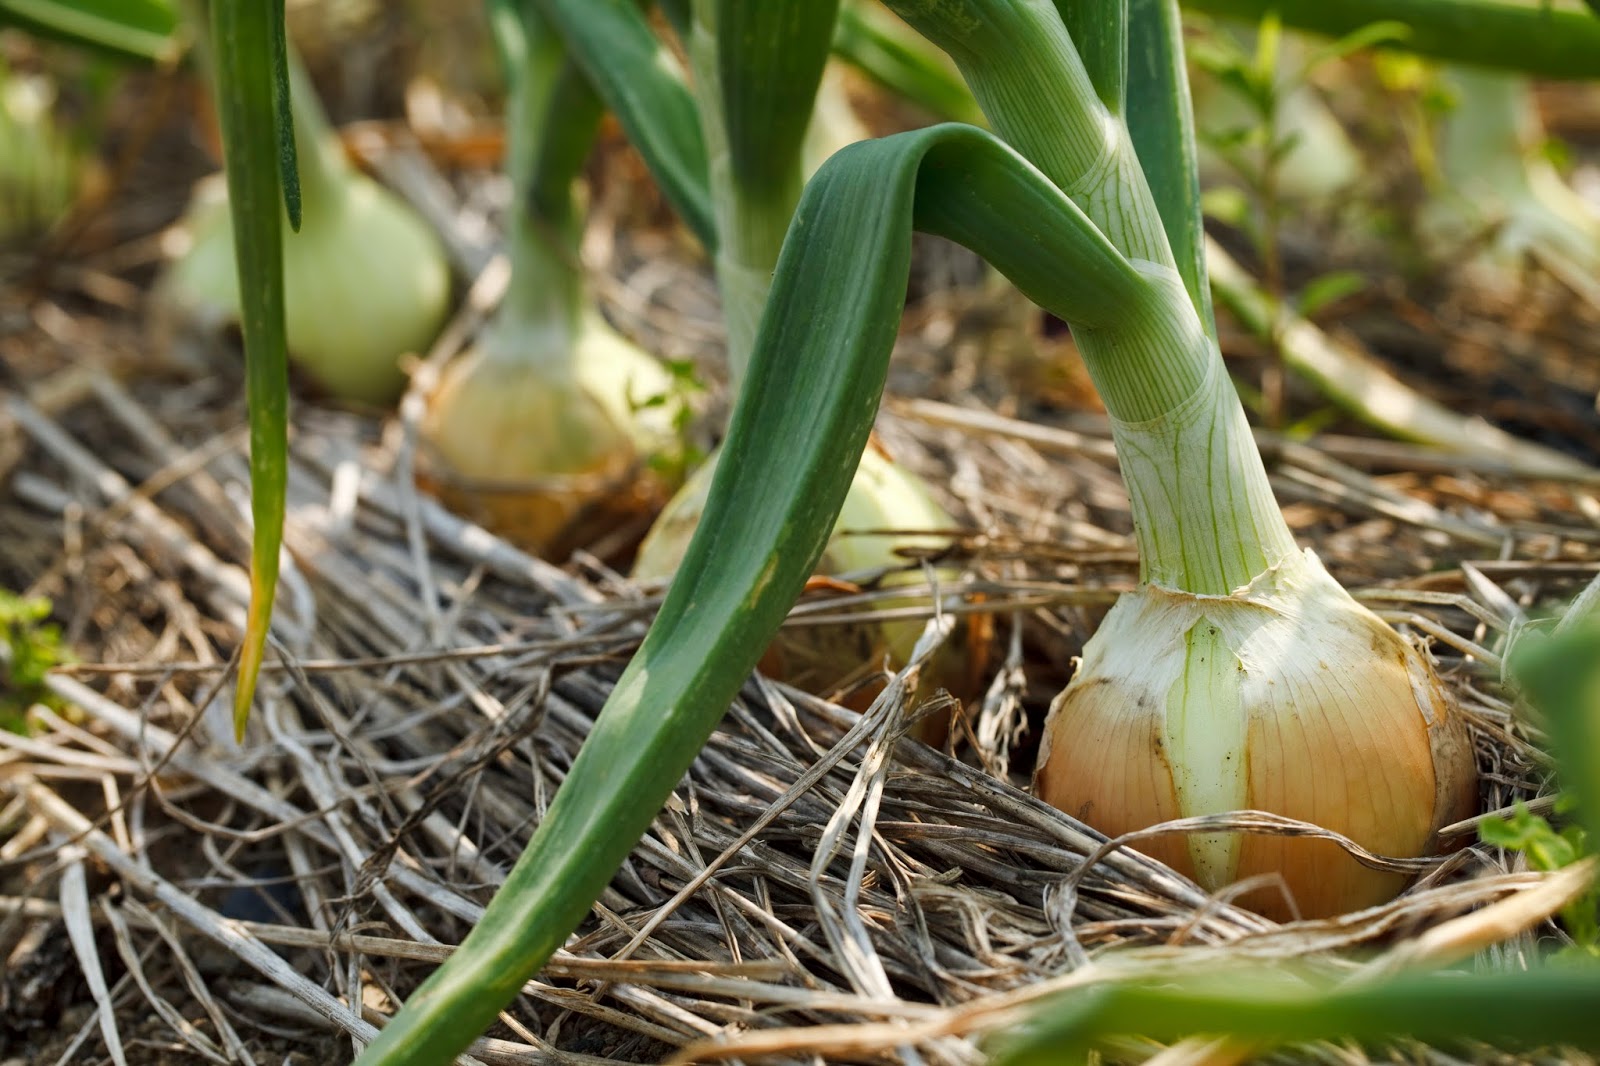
243, 33
1160, 120
1552, 1005
639, 80
1532, 39
133, 29
288, 168
1099, 32
770, 55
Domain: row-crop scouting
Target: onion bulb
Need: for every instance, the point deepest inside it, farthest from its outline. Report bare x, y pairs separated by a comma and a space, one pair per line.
823, 658
1286, 696
552, 450
366, 281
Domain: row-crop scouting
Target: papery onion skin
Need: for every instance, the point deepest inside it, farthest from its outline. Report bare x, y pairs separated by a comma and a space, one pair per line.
1344, 724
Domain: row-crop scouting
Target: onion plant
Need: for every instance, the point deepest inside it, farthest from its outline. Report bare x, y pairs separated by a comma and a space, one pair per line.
752, 65
553, 427
1239, 674
367, 280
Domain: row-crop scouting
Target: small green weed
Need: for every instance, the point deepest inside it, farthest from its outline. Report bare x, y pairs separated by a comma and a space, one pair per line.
680, 395
29, 646
1548, 848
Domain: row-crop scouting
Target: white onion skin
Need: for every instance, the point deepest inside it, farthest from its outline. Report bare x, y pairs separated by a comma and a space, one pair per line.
1314, 709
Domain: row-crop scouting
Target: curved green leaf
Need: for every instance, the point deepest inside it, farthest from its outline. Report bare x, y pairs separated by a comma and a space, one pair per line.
1026, 74
1160, 120
1532, 38
133, 29
639, 80
798, 429
1552, 1005
248, 68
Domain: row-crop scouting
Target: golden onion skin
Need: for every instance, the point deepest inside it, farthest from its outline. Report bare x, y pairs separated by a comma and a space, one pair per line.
1287, 696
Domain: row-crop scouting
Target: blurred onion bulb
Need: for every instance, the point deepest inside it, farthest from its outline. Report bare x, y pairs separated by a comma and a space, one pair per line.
549, 441
1286, 696
366, 281
883, 496
1504, 202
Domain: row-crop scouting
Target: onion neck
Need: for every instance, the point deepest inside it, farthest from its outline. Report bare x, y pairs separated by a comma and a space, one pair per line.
1203, 510
324, 172
539, 320
751, 220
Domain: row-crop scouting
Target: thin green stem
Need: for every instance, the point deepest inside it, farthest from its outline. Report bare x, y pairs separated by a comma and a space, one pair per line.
752, 217
539, 319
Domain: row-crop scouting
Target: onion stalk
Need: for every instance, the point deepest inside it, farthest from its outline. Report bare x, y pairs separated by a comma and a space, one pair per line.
366, 281
1499, 184
1239, 675
553, 429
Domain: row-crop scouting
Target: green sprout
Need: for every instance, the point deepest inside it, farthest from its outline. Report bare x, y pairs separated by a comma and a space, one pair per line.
30, 646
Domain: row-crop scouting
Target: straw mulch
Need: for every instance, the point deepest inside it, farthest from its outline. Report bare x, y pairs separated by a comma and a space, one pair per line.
819, 885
